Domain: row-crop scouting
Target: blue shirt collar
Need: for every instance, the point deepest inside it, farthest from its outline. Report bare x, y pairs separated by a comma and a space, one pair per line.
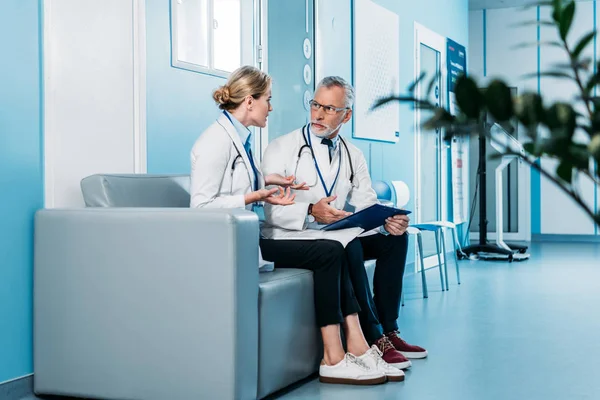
242, 131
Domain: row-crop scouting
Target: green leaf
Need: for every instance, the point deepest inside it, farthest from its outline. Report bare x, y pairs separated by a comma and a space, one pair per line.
536, 44
549, 74
556, 10
565, 171
575, 64
469, 98
583, 42
529, 109
579, 156
593, 82
499, 101
561, 121
566, 19
413, 85
440, 119
594, 146
532, 23
529, 148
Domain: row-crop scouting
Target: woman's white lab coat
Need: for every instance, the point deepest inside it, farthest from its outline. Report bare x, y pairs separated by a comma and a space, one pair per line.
290, 222
221, 172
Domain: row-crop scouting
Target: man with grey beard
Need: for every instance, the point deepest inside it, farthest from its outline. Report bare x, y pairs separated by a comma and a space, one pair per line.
337, 174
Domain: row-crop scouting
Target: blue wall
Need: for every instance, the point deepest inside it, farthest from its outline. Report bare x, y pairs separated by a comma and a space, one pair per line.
179, 102
21, 178
447, 18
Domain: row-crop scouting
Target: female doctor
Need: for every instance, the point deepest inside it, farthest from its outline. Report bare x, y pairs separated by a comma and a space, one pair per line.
224, 172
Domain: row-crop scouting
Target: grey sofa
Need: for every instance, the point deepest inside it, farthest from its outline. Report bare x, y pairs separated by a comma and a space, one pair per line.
137, 296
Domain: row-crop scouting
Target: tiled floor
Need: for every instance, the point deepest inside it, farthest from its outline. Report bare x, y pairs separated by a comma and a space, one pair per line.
528, 330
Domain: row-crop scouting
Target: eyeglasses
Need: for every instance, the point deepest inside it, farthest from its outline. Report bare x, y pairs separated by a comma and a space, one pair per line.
328, 109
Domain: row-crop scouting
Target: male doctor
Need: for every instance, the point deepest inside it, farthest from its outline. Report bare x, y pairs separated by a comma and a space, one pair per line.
336, 172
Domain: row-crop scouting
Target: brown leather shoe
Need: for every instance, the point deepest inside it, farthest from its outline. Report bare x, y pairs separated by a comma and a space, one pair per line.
407, 350
391, 355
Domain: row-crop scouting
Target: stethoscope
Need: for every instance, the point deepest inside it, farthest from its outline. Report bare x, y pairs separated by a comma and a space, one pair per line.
308, 144
239, 156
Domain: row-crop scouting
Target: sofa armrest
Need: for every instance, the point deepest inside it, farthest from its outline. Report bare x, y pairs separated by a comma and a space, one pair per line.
146, 303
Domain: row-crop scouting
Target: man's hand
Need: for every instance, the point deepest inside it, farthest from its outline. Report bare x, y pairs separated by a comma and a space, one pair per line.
325, 214
397, 224
288, 181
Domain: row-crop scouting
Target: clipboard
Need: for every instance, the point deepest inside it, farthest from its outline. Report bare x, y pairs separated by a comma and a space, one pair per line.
369, 218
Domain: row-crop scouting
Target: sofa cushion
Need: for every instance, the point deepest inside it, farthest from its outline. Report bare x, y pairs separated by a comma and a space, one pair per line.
290, 347
136, 190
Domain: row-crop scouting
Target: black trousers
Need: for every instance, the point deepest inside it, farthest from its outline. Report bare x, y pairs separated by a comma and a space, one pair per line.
333, 294
379, 312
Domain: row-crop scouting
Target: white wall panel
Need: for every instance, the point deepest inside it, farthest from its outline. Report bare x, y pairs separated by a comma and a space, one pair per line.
90, 93
571, 220
475, 50
503, 59
333, 47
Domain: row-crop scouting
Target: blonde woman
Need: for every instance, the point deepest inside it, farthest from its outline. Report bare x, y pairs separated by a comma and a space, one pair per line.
224, 172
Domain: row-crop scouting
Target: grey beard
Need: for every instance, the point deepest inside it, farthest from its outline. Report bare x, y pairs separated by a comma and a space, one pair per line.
327, 133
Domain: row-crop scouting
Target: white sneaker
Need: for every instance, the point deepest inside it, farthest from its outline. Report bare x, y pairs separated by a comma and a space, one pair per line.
351, 371
373, 358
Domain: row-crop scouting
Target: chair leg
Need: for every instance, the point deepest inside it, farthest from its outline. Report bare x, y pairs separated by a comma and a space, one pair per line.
455, 241
423, 278
445, 256
437, 247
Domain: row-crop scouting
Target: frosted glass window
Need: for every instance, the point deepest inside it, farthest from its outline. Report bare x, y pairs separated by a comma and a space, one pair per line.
206, 35
227, 34
192, 32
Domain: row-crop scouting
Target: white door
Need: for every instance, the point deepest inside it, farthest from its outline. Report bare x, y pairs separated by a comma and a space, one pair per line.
430, 155
94, 93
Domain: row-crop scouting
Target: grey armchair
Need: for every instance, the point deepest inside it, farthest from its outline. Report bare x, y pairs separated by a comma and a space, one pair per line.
137, 296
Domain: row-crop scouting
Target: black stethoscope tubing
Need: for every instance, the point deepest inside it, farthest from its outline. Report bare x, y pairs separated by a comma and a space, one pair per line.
304, 133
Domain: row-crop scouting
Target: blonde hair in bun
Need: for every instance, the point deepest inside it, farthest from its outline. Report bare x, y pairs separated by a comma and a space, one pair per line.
221, 95
243, 82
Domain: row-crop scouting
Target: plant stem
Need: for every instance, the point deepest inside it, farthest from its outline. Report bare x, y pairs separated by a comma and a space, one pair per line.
592, 177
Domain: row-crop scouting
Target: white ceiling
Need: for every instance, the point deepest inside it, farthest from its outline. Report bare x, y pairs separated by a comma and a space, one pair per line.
481, 4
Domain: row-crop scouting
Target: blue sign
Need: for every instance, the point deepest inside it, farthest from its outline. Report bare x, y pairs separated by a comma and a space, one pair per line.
457, 65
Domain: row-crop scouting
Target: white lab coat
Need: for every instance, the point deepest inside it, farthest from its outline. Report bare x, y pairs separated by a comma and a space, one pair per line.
215, 181
290, 222
221, 173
